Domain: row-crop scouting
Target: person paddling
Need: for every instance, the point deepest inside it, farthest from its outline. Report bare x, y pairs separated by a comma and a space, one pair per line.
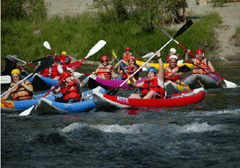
171, 71
11, 64
131, 69
200, 68
104, 70
63, 58
173, 51
153, 86
21, 92
127, 54
69, 87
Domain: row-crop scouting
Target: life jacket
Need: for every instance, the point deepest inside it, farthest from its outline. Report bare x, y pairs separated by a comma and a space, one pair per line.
51, 72
70, 91
104, 71
173, 78
126, 57
152, 84
130, 68
63, 59
21, 93
170, 55
200, 68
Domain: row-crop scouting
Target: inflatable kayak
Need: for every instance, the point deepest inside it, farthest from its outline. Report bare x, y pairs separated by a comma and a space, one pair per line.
179, 99
172, 88
156, 65
9, 106
203, 80
46, 106
94, 82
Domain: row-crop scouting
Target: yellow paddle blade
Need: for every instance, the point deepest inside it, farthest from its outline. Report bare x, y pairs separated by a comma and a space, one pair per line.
114, 54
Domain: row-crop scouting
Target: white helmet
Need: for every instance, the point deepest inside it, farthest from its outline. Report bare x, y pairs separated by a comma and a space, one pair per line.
173, 56
173, 50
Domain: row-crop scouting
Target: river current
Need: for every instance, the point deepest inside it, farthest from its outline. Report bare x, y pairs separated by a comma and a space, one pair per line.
206, 134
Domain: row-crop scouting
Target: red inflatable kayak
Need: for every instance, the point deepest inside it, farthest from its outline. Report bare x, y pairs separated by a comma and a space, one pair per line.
184, 98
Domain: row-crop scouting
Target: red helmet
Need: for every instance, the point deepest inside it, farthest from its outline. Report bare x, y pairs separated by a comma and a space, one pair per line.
199, 51
48, 56
132, 57
64, 75
127, 49
104, 58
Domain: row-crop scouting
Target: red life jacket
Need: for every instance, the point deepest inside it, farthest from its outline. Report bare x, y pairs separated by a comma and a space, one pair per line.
63, 58
130, 68
70, 91
104, 71
51, 72
170, 55
126, 57
152, 84
173, 78
200, 68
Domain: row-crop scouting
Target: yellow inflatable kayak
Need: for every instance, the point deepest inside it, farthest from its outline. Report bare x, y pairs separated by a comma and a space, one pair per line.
156, 65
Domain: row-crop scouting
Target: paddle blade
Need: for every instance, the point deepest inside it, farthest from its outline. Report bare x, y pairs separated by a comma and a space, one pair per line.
230, 84
114, 54
183, 28
44, 64
148, 55
96, 48
47, 45
184, 68
26, 112
5, 79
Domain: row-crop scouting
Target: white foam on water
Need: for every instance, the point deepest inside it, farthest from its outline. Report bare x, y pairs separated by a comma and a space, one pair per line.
73, 126
197, 127
210, 113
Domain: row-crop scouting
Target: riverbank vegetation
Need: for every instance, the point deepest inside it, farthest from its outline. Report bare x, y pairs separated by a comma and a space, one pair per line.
77, 35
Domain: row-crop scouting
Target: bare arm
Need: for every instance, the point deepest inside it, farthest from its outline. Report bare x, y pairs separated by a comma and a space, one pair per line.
211, 66
187, 57
136, 85
161, 70
6, 95
27, 85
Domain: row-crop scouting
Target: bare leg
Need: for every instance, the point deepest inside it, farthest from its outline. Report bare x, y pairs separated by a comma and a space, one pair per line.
150, 95
134, 96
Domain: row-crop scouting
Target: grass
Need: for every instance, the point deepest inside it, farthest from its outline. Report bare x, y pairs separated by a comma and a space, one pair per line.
77, 35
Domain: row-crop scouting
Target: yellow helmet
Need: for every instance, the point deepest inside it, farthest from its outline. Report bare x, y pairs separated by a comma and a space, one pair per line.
64, 53
15, 71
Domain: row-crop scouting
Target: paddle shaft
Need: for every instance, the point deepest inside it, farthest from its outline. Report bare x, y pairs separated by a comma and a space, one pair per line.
191, 54
25, 62
120, 63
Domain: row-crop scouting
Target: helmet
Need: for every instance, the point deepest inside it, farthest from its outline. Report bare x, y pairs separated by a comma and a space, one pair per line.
64, 75
127, 49
15, 71
151, 69
132, 57
48, 56
173, 50
173, 56
104, 58
64, 53
199, 51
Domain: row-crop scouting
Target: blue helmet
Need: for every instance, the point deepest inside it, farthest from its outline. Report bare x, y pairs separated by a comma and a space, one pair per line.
151, 69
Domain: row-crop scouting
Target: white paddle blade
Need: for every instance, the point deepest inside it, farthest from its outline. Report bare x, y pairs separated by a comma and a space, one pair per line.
96, 48
47, 45
179, 62
148, 55
26, 112
78, 75
5, 79
230, 84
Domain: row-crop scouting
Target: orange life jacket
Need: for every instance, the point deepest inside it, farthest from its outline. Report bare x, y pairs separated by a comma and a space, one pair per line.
21, 93
70, 91
130, 68
126, 57
173, 78
200, 68
104, 71
51, 72
152, 84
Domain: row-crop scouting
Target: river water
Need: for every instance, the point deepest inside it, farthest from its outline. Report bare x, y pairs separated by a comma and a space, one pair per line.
201, 135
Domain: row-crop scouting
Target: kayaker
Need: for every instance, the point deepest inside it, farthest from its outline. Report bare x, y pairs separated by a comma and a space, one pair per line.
171, 71
199, 68
63, 59
104, 70
69, 87
21, 92
131, 69
53, 71
153, 86
127, 54
11, 64
173, 51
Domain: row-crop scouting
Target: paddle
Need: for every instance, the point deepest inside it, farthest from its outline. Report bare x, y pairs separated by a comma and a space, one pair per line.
147, 55
47, 45
43, 65
184, 68
94, 49
228, 83
122, 65
5, 79
22, 61
180, 31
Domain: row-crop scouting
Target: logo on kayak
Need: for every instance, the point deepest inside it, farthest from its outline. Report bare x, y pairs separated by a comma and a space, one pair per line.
122, 99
